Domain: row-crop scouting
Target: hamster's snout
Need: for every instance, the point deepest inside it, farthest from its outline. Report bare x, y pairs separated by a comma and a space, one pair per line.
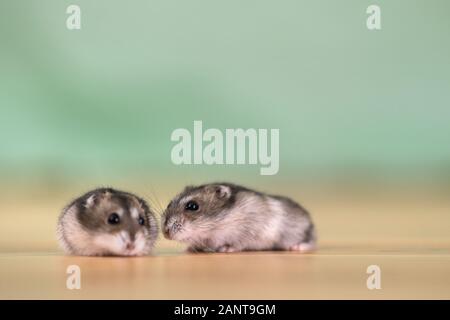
130, 242
170, 228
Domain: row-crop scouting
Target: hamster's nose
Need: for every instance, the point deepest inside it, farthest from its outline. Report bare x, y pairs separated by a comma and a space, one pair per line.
130, 245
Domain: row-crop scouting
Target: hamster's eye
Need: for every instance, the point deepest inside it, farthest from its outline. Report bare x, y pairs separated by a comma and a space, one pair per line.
141, 221
192, 206
113, 218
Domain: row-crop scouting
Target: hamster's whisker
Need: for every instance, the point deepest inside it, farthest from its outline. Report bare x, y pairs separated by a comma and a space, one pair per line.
154, 206
153, 193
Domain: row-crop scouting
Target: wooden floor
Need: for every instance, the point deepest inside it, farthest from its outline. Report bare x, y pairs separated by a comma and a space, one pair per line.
407, 237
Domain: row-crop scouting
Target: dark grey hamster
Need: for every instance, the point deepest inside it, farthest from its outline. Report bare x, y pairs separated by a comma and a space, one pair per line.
106, 221
224, 217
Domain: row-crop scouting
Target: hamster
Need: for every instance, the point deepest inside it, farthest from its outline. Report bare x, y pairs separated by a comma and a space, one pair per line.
224, 217
107, 222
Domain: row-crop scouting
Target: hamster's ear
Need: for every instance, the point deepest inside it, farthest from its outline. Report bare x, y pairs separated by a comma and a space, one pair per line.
143, 204
90, 201
222, 192
188, 188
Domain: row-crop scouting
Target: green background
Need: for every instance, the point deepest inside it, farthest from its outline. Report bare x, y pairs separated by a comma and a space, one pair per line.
98, 104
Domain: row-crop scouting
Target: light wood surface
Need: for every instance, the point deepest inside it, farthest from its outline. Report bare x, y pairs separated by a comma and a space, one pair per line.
407, 236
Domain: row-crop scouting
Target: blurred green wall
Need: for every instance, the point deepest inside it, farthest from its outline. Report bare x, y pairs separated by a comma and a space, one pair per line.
100, 103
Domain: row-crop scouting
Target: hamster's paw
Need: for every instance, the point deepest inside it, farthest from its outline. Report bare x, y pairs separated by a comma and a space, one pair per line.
226, 249
303, 247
